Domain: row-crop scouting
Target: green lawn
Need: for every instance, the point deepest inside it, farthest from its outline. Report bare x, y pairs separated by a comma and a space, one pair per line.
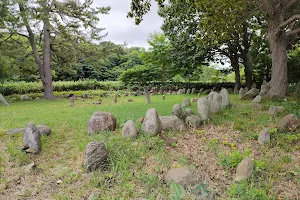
137, 166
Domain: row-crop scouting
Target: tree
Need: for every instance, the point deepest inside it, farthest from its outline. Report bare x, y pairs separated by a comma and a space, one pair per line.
46, 19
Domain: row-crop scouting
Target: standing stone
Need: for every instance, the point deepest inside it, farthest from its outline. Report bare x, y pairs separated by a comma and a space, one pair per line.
101, 121
289, 123
264, 90
177, 111
183, 91
215, 102
95, 157
151, 124
72, 99
257, 99
225, 98
201, 90
129, 129
188, 112
241, 92
186, 102
32, 138
193, 91
172, 123
253, 85
202, 106
147, 95
244, 169
116, 98
179, 91
193, 121
3, 100
163, 97
188, 91
250, 94
246, 89
264, 136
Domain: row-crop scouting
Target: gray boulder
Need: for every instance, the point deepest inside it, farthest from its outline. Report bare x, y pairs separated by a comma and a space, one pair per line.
172, 123
253, 85
203, 108
244, 169
129, 129
250, 94
177, 111
182, 176
264, 90
241, 92
3, 100
257, 99
32, 138
24, 97
215, 102
186, 102
188, 91
193, 91
289, 123
183, 91
188, 112
95, 157
44, 130
151, 124
274, 110
225, 98
101, 121
193, 121
246, 89
264, 136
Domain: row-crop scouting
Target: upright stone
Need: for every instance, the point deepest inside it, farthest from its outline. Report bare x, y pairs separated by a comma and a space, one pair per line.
225, 98
179, 91
151, 124
253, 85
116, 98
3, 100
186, 102
215, 102
264, 90
188, 91
257, 99
203, 108
241, 92
183, 91
129, 129
147, 95
246, 89
95, 157
201, 90
32, 138
193, 91
177, 111
244, 169
101, 121
264, 136
71, 99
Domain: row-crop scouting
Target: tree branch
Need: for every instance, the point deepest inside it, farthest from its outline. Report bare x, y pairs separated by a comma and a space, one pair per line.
290, 20
289, 5
293, 32
20, 34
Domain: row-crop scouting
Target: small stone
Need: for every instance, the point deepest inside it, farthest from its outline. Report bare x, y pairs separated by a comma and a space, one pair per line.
101, 121
272, 110
193, 121
152, 124
177, 111
129, 129
257, 99
244, 169
130, 100
30, 167
37, 98
289, 123
85, 96
95, 156
182, 176
186, 103
32, 138
264, 136
188, 112
44, 130
188, 91
24, 97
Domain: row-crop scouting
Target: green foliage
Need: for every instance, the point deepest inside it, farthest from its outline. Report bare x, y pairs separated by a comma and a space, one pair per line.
247, 191
232, 161
177, 192
140, 74
16, 155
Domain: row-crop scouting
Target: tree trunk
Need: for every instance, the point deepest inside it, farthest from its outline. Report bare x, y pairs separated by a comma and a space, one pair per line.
248, 71
279, 79
246, 56
236, 68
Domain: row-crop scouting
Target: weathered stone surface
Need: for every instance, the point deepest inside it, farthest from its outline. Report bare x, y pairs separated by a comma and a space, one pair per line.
253, 85
72, 100
264, 90
3, 100
116, 98
101, 121
177, 111
250, 94
151, 124
183, 91
225, 98
44, 130
257, 99
215, 102
241, 92
15, 131
182, 176
193, 91
289, 123
179, 91
246, 89
280, 109
264, 136
186, 102
24, 97
203, 108
188, 112
244, 169
129, 129
172, 123
193, 121
201, 90
32, 138
95, 157
188, 91
274, 110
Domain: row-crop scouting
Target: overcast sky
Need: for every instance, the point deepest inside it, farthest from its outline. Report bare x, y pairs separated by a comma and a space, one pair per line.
121, 29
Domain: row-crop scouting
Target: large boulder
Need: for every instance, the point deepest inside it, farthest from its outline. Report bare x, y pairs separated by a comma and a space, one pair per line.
289, 123
101, 121
95, 157
244, 169
250, 94
172, 123
193, 121
32, 138
177, 111
203, 108
225, 98
151, 124
129, 129
182, 176
186, 102
3, 100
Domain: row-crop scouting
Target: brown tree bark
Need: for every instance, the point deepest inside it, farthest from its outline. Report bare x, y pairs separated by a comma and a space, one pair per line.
246, 57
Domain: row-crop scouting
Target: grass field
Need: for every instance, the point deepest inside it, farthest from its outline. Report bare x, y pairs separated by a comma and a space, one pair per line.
137, 166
